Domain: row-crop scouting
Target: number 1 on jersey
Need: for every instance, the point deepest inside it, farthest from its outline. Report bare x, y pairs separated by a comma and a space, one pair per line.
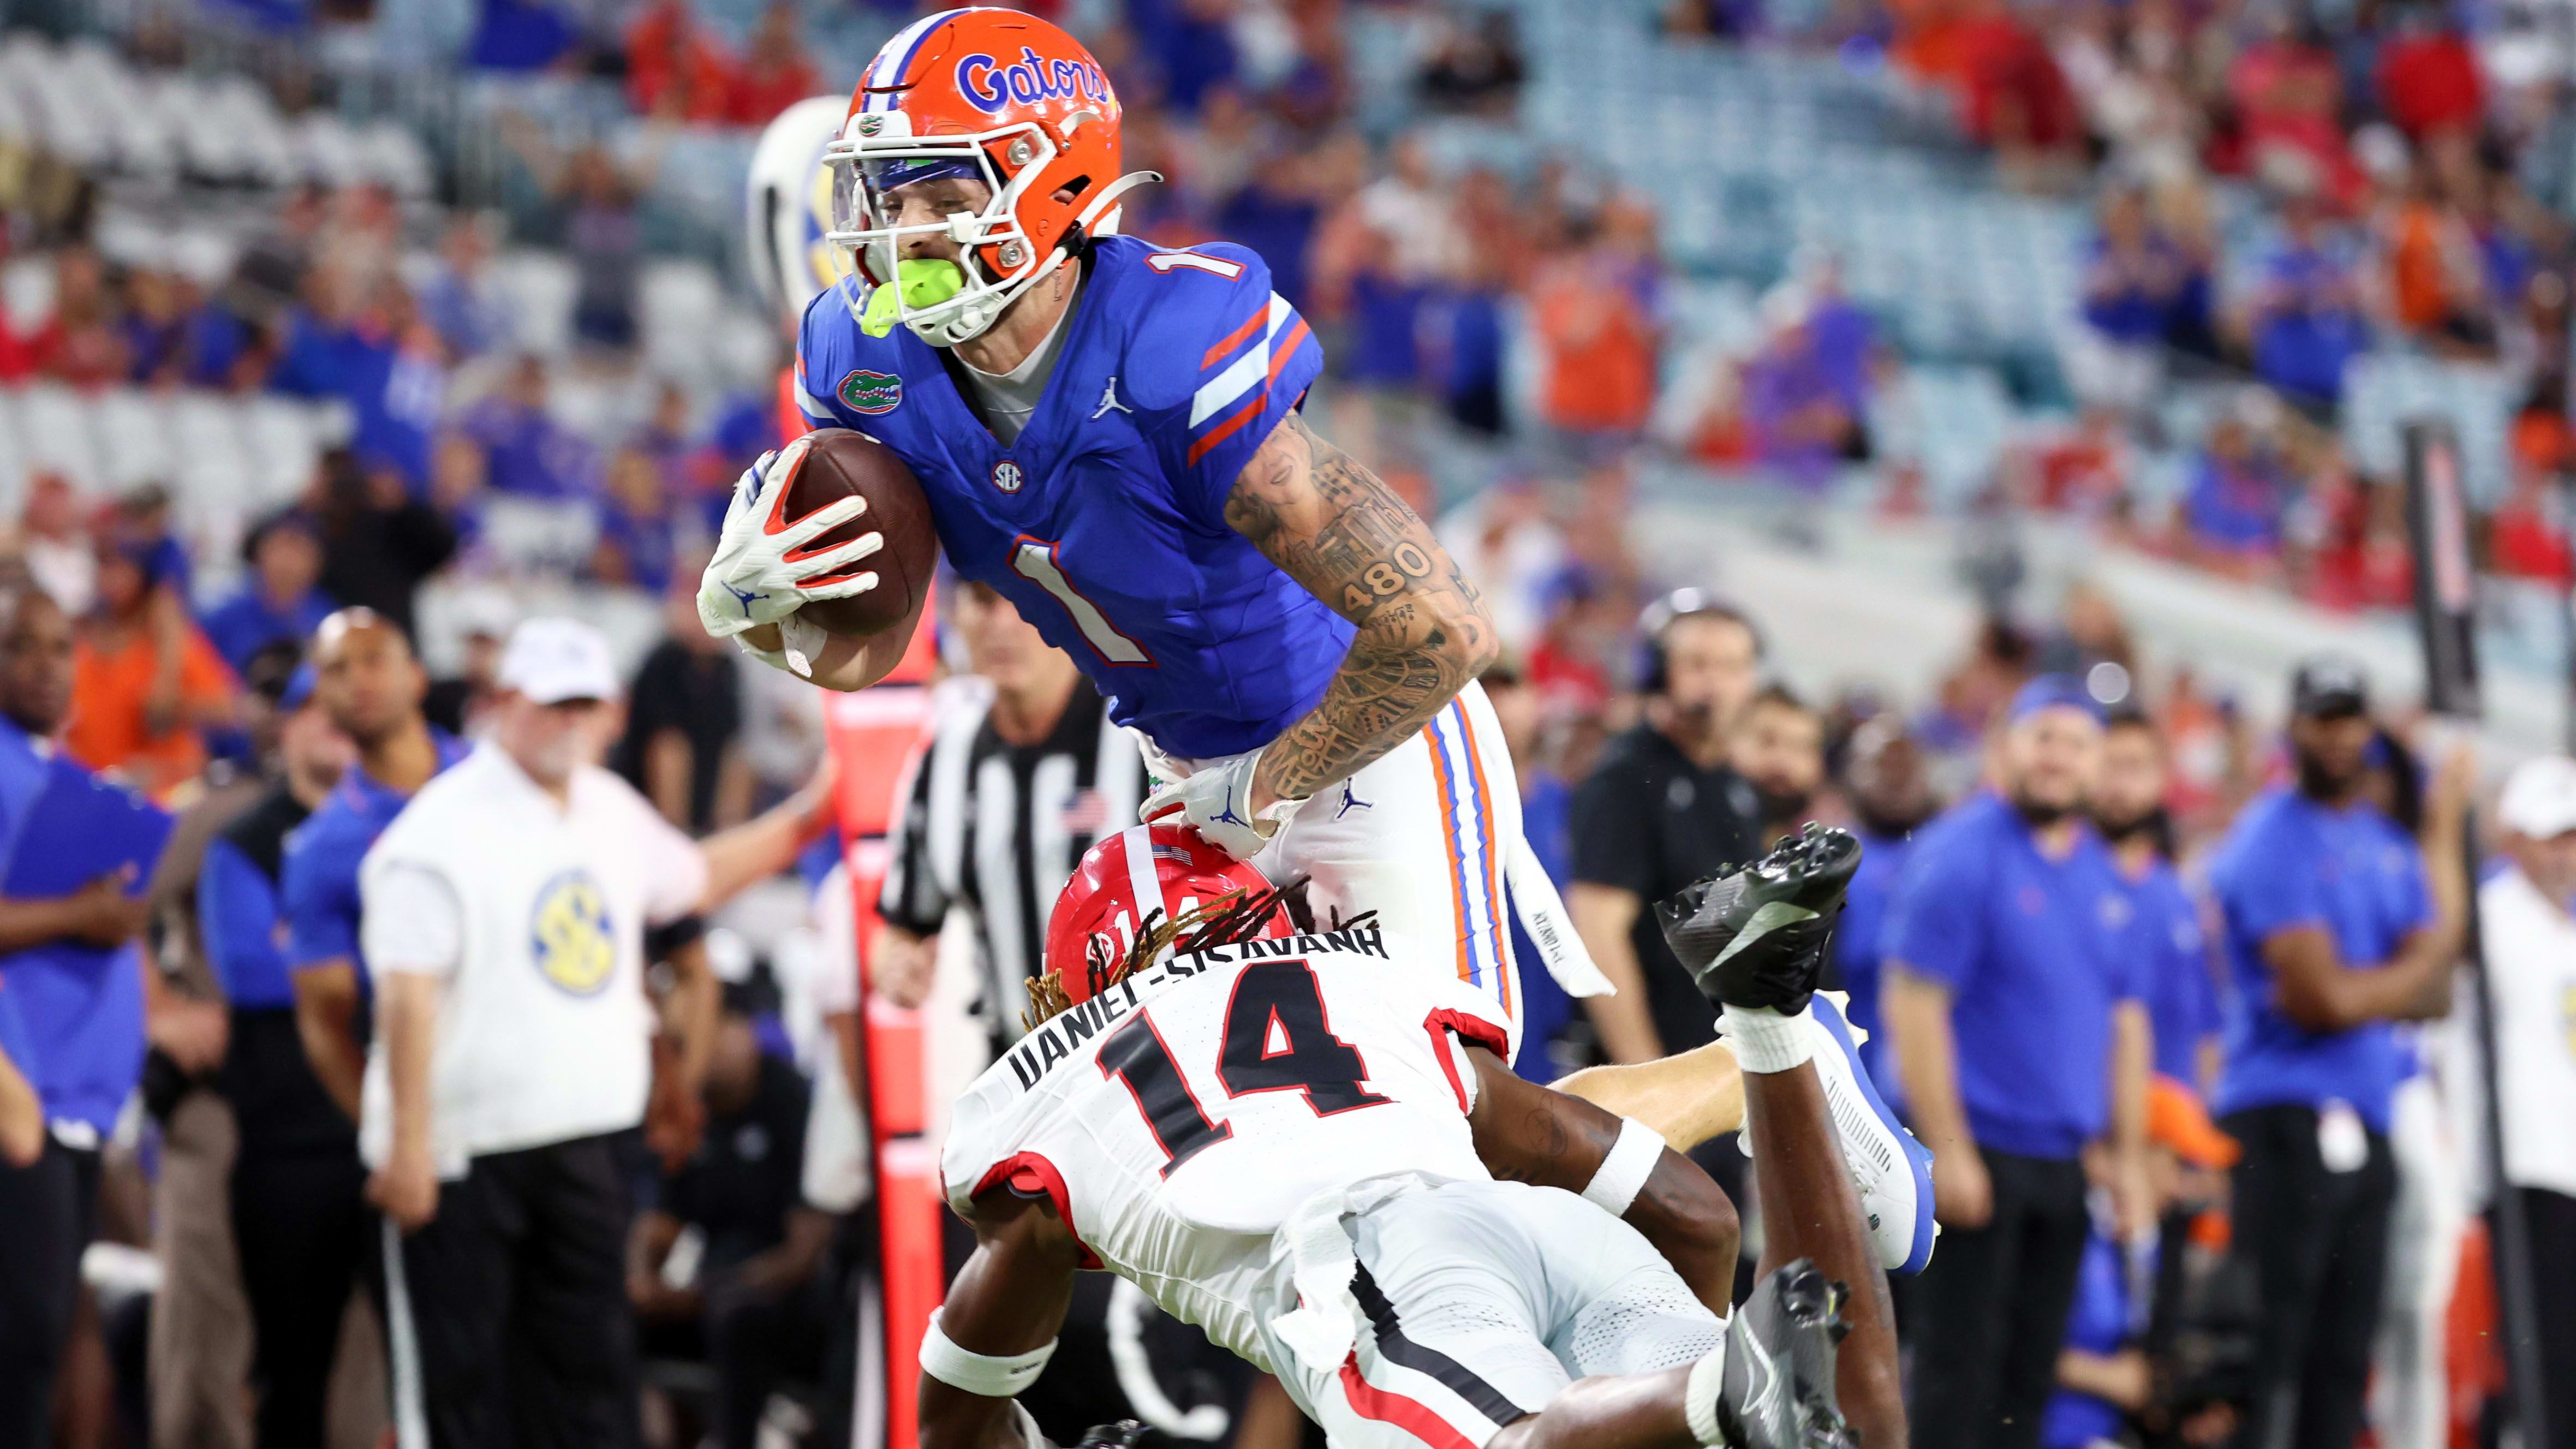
1277, 1039
1034, 559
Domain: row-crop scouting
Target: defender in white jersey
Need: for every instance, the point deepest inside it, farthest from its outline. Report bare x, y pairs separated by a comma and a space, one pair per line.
1292, 1146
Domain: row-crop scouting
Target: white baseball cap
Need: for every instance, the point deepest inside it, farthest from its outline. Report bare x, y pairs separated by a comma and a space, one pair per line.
2540, 798
553, 660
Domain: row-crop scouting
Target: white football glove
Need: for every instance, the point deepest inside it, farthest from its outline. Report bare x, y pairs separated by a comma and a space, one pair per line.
761, 560
1216, 801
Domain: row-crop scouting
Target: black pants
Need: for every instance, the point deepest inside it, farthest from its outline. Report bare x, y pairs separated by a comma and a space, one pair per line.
759, 1341
2552, 1220
47, 1212
2318, 1241
1990, 1312
508, 1312
303, 1229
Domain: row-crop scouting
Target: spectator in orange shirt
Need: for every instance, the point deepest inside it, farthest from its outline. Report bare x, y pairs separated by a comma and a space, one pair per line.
1597, 333
144, 681
2437, 285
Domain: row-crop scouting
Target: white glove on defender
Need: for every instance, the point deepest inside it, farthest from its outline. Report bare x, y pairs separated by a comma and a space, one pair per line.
761, 560
1217, 803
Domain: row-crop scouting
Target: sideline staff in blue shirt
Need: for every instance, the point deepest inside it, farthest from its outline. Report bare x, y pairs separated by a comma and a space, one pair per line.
300, 1215
2012, 991
2331, 934
372, 686
91, 1041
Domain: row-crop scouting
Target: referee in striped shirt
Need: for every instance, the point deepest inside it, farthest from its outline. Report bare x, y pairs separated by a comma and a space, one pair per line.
1008, 796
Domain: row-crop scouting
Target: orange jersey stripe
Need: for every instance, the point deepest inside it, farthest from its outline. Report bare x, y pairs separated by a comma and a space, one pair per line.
1287, 347
1230, 426
1493, 867
1449, 839
1234, 339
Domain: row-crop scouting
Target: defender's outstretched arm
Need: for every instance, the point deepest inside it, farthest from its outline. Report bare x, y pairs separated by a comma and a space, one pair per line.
1533, 1134
1008, 1302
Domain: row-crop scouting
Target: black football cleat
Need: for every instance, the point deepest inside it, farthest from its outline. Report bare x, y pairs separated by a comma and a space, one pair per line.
1777, 1390
1757, 936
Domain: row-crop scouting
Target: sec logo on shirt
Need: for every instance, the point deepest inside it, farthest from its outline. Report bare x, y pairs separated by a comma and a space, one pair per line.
569, 934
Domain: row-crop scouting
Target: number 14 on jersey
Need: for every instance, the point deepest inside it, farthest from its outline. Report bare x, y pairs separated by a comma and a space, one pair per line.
1276, 1039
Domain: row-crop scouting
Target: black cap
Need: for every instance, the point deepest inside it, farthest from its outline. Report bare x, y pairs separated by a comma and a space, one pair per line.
2330, 686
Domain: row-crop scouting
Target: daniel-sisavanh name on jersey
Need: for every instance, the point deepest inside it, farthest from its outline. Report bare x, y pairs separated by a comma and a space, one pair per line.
1054, 1040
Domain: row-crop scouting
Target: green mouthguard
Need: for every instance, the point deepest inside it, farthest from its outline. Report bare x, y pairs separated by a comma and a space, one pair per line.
923, 283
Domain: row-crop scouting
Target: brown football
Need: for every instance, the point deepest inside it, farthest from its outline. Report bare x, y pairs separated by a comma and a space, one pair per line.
841, 464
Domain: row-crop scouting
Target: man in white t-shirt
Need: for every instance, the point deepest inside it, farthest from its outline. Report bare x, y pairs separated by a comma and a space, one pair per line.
2528, 915
503, 920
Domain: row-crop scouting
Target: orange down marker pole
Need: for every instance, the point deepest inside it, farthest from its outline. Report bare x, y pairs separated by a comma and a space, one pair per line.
871, 735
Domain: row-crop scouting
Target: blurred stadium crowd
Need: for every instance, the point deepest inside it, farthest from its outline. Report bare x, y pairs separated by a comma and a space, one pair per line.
439, 307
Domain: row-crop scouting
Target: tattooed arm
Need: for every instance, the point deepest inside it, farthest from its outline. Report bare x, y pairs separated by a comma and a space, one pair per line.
1527, 1133
1331, 525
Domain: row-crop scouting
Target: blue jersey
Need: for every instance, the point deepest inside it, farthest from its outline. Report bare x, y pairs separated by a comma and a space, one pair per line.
1105, 522
81, 1004
238, 917
2290, 863
2036, 956
318, 880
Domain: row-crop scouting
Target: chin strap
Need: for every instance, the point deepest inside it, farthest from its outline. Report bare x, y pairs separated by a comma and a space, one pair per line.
1106, 201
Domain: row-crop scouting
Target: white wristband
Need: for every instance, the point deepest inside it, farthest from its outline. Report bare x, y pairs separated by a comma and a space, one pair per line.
1623, 1173
979, 1373
1766, 1041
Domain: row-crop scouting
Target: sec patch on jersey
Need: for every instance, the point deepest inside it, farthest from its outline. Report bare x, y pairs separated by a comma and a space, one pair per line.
569, 934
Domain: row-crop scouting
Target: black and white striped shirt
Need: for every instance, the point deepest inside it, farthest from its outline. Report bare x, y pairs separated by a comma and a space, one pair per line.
998, 828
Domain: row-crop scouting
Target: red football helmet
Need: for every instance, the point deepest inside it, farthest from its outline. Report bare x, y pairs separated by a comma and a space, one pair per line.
982, 95
1142, 870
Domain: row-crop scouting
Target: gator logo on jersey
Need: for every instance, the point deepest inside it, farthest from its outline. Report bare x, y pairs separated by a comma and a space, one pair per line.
871, 392
570, 936
1008, 477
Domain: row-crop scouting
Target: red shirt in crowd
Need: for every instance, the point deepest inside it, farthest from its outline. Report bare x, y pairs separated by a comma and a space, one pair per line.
673, 69
2430, 83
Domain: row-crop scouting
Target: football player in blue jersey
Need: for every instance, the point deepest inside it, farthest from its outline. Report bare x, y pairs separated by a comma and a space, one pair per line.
1108, 434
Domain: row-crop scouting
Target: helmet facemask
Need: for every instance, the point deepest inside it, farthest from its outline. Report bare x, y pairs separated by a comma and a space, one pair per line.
876, 159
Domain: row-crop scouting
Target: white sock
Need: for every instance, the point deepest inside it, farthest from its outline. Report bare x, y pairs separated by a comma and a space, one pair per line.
1765, 1040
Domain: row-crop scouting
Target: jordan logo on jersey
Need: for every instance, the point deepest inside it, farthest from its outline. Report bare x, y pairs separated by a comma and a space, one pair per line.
1108, 400
871, 392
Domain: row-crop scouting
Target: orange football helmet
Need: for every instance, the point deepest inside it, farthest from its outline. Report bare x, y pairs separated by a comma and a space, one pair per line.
983, 95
